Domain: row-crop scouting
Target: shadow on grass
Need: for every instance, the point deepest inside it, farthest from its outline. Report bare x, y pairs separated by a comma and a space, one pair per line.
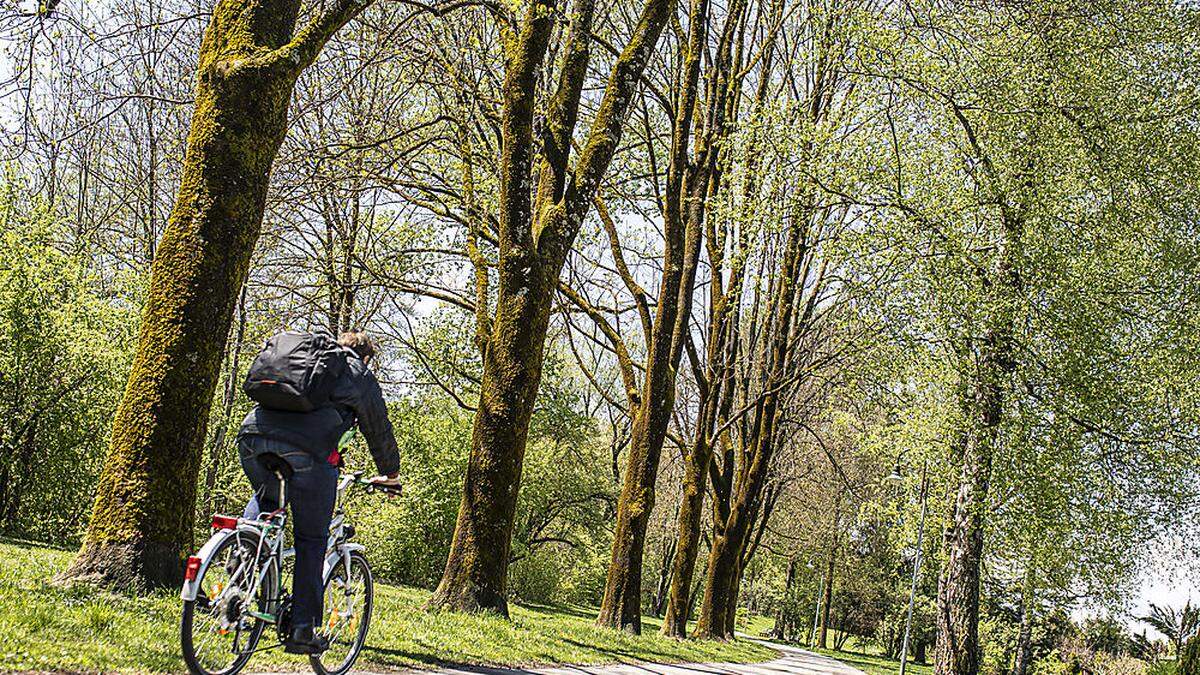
625, 656
559, 610
30, 544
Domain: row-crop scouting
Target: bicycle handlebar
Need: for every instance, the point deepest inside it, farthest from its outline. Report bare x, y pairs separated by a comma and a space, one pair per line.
357, 479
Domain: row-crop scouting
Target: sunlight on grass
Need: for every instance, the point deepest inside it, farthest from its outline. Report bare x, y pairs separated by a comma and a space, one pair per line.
876, 665
49, 627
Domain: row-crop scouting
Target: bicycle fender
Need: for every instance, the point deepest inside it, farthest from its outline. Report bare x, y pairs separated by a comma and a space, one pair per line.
192, 588
334, 556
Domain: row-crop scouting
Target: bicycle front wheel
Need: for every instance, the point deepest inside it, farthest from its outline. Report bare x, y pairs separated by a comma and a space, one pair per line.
349, 596
218, 634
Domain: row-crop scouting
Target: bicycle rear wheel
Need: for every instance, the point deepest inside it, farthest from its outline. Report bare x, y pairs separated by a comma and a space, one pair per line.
349, 597
217, 634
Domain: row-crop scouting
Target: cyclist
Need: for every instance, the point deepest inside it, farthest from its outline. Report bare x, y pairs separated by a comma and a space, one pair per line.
308, 442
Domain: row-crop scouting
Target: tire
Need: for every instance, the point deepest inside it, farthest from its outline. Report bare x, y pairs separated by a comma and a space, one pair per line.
200, 622
344, 649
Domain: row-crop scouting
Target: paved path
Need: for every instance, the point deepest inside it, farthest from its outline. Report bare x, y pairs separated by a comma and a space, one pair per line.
792, 661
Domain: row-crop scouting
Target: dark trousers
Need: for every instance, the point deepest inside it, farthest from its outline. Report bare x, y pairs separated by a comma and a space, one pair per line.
311, 493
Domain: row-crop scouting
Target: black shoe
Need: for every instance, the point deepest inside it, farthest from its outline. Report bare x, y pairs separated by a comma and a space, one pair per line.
304, 641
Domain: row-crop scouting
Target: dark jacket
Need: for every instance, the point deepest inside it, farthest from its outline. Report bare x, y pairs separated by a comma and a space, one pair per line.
356, 398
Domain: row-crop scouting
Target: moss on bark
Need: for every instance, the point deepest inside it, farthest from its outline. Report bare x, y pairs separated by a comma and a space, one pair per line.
141, 519
534, 243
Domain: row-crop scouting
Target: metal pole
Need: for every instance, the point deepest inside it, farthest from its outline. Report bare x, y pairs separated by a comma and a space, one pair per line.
912, 591
812, 641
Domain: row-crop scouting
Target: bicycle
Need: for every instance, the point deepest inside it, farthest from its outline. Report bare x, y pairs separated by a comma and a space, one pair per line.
234, 588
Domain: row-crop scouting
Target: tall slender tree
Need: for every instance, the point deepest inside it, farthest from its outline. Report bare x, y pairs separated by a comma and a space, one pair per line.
537, 229
693, 175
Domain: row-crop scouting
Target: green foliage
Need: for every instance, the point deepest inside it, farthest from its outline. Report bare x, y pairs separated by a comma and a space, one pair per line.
64, 348
409, 537
1189, 660
1177, 624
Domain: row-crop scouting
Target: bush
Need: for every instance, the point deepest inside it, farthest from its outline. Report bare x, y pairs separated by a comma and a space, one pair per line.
65, 339
1189, 660
409, 537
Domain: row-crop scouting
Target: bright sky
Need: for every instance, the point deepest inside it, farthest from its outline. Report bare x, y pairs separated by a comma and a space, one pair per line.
1164, 586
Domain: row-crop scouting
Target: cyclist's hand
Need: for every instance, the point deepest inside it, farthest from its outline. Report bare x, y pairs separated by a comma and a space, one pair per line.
392, 483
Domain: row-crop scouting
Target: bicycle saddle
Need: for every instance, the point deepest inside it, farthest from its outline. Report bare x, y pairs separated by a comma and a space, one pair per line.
276, 464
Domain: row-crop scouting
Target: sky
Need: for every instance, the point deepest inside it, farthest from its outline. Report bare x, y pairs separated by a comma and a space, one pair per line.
1163, 586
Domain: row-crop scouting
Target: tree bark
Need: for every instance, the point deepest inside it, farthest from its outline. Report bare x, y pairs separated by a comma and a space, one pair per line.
533, 244
249, 60
957, 651
621, 604
1023, 657
830, 567
732, 539
687, 546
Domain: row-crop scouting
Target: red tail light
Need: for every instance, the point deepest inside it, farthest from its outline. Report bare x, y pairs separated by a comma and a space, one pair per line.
192, 569
224, 523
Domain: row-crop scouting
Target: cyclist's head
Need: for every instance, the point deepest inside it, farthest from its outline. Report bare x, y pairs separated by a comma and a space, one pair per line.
359, 342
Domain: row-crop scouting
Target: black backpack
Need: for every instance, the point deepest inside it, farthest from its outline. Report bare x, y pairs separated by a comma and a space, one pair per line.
295, 371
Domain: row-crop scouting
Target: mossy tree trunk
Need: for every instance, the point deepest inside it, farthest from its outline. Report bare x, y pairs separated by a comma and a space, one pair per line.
535, 236
621, 604
249, 59
692, 177
715, 375
789, 304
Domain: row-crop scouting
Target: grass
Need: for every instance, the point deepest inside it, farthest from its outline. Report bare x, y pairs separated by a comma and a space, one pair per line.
856, 652
47, 627
755, 625
873, 664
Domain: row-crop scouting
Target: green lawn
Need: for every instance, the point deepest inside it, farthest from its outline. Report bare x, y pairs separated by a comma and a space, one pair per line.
48, 627
755, 625
875, 665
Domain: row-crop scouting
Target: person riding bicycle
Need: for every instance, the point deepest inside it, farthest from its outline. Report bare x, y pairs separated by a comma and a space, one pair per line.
308, 442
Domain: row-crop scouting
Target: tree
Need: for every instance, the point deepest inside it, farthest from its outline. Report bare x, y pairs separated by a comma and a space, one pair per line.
63, 347
692, 176
534, 237
1189, 658
249, 60
1178, 625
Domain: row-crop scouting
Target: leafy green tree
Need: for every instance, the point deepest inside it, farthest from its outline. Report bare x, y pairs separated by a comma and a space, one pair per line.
64, 345
249, 59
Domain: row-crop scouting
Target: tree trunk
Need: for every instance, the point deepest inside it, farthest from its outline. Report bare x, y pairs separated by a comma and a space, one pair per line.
957, 651
682, 223
1024, 652
621, 605
142, 515
476, 574
475, 577
822, 635
687, 547
732, 538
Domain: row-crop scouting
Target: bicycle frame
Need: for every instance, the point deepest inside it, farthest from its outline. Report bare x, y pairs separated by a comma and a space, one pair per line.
270, 531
